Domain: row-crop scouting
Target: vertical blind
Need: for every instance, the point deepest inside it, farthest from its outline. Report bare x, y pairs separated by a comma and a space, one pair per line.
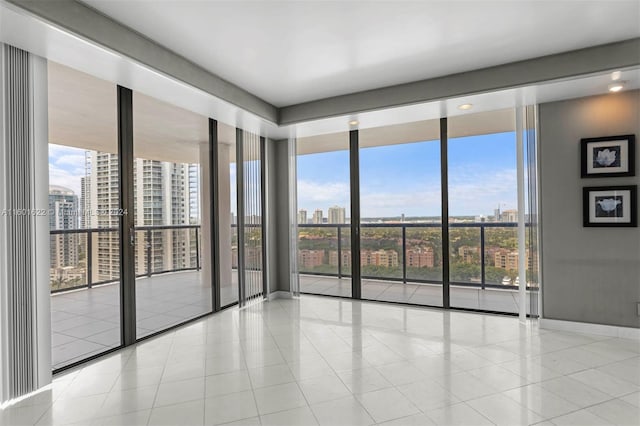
250, 217
18, 278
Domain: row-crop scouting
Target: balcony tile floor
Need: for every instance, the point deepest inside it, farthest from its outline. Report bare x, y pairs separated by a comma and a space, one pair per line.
327, 361
489, 299
86, 322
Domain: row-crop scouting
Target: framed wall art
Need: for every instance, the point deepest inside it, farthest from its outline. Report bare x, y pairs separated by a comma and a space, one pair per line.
608, 156
610, 206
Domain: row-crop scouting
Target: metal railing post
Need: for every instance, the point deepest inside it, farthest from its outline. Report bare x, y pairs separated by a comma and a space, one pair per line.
89, 259
197, 251
339, 251
404, 254
148, 249
482, 257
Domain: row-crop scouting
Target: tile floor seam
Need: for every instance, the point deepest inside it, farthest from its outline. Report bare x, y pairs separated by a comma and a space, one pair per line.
584, 408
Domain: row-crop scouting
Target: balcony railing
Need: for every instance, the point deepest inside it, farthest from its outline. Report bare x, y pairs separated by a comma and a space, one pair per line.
481, 254
90, 256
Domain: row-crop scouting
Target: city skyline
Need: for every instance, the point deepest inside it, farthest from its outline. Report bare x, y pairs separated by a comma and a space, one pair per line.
498, 215
84, 193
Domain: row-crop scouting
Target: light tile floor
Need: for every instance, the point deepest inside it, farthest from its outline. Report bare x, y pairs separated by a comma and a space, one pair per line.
329, 361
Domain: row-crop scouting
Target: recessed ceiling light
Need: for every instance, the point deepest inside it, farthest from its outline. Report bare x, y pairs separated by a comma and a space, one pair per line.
617, 86
615, 76
465, 107
353, 123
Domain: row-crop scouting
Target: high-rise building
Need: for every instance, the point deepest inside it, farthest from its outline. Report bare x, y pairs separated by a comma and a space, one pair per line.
302, 216
317, 217
496, 214
85, 201
336, 214
164, 194
509, 216
63, 214
101, 185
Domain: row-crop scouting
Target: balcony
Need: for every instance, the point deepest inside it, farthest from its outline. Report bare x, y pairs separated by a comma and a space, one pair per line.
85, 302
403, 263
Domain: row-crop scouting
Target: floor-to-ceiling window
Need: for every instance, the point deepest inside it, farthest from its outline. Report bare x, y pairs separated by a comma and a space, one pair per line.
400, 205
407, 253
324, 233
83, 215
171, 150
483, 211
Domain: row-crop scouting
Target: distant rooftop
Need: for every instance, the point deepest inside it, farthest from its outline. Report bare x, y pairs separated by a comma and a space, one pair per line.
60, 190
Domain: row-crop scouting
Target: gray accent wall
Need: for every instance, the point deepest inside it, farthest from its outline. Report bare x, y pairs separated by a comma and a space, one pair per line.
272, 254
281, 209
589, 275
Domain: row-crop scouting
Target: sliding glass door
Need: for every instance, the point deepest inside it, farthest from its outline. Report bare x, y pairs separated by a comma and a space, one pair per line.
324, 214
483, 211
401, 222
83, 216
171, 150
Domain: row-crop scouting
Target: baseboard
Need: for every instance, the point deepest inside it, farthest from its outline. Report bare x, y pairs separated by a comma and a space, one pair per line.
280, 294
588, 328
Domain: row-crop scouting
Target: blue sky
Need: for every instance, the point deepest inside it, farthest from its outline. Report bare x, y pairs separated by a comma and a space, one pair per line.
394, 179
66, 166
405, 178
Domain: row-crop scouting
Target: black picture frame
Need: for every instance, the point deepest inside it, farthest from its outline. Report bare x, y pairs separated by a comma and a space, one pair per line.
609, 156
610, 206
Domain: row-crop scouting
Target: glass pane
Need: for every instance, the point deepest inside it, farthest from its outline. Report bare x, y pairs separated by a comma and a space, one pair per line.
483, 211
228, 214
400, 204
170, 162
324, 245
531, 216
501, 256
84, 215
465, 265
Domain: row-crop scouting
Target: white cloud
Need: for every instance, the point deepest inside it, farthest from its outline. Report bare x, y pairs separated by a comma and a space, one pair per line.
62, 177
473, 191
411, 203
76, 160
66, 166
322, 193
57, 151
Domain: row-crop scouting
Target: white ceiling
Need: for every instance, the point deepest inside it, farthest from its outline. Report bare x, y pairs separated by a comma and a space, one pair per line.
288, 52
